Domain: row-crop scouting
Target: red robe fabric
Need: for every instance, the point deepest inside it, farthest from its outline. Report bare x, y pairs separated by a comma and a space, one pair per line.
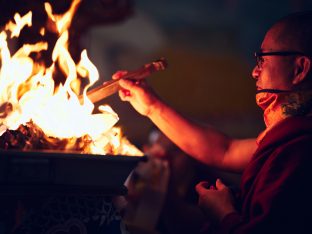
276, 185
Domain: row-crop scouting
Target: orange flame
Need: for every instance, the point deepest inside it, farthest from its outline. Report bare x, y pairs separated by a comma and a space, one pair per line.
29, 87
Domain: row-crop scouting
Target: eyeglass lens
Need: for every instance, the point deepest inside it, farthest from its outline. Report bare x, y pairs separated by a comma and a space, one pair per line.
259, 61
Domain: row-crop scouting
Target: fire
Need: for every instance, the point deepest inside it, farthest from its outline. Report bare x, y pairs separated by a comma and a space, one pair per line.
28, 93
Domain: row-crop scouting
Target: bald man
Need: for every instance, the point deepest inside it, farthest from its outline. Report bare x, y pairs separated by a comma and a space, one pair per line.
276, 167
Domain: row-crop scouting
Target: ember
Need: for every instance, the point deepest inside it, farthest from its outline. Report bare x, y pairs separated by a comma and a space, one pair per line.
37, 113
31, 137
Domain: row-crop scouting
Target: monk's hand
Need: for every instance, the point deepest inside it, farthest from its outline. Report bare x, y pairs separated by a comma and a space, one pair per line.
215, 201
137, 92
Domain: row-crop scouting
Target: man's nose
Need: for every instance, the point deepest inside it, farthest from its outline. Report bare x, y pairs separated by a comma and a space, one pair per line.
255, 72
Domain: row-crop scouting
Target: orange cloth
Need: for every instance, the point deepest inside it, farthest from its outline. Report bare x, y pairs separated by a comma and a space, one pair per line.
281, 105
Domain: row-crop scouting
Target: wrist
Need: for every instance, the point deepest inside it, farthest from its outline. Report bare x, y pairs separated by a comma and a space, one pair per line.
229, 222
154, 108
225, 213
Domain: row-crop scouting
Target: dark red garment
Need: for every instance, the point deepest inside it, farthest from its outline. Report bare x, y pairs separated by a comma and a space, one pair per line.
276, 185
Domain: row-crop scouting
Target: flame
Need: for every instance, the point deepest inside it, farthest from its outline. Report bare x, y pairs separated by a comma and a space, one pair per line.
62, 22
29, 87
20, 22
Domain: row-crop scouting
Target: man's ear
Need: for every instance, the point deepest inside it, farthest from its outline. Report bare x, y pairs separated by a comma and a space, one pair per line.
302, 67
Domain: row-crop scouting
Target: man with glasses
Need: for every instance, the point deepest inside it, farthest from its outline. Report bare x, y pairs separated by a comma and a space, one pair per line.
277, 166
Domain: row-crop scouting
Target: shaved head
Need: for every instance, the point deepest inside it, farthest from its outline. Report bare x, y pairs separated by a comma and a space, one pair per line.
294, 32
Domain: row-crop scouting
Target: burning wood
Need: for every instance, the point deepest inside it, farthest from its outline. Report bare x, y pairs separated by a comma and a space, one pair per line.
37, 113
5, 109
30, 137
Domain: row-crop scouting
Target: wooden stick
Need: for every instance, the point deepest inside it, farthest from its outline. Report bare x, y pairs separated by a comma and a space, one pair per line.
112, 86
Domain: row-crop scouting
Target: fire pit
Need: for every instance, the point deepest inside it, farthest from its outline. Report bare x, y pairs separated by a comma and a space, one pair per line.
46, 173
61, 161
51, 138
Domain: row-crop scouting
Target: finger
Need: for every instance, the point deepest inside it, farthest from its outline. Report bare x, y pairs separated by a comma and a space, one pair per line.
124, 94
119, 74
220, 185
201, 186
128, 84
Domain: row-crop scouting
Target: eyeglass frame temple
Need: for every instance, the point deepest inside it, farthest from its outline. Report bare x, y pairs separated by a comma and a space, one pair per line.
259, 54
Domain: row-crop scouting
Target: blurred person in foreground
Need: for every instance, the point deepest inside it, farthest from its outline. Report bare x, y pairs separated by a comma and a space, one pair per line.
276, 167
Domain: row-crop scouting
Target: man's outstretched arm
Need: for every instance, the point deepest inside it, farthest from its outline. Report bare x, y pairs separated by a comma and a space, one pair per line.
203, 142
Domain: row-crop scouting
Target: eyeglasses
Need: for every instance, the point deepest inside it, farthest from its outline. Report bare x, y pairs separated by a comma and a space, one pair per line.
259, 55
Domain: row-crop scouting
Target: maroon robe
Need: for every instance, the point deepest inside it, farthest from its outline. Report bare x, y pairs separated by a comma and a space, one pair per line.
276, 185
